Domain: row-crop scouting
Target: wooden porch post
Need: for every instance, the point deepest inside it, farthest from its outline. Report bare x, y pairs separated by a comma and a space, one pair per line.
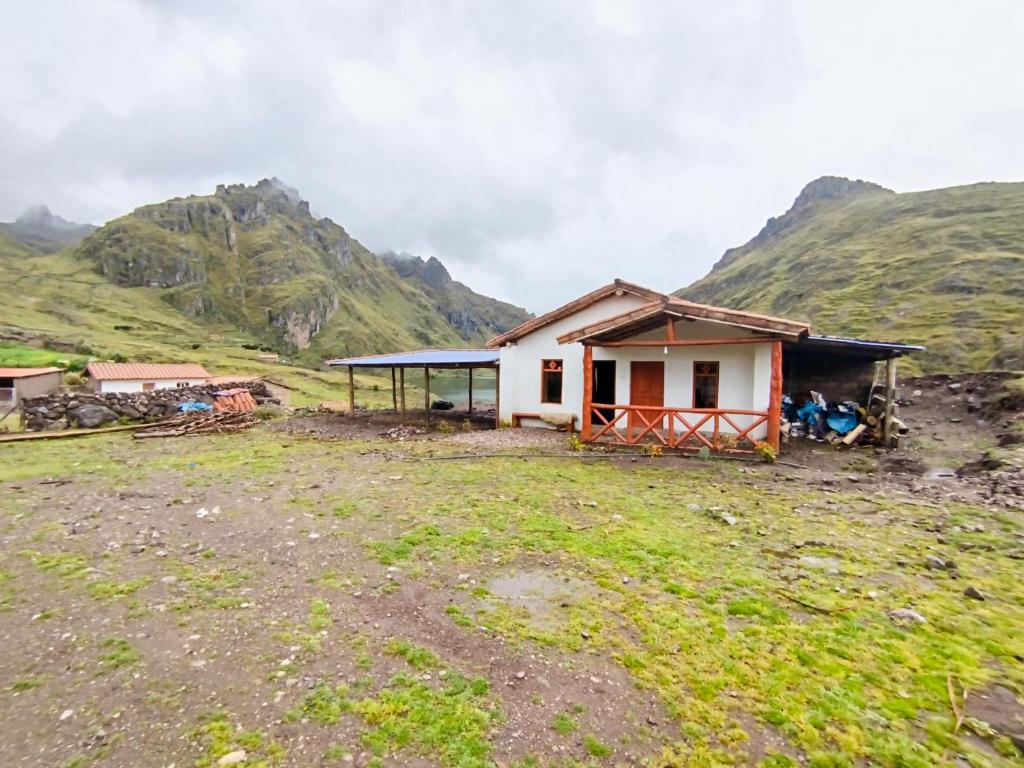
470, 390
394, 391
401, 379
775, 403
890, 397
426, 392
588, 392
351, 391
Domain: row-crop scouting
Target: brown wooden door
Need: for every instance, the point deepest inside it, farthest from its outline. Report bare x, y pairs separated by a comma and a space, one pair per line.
646, 387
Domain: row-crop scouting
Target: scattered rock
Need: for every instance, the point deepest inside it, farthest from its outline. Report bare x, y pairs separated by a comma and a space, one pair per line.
66, 714
907, 616
91, 416
728, 519
974, 593
233, 758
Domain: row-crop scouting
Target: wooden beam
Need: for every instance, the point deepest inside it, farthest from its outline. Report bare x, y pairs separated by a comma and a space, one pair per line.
588, 392
470, 390
681, 342
401, 380
351, 391
394, 391
670, 329
775, 401
890, 398
497, 397
426, 392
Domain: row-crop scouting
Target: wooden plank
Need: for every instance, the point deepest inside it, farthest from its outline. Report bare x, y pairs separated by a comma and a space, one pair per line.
56, 435
394, 391
854, 434
890, 401
683, 342
470, 408
497, 397
351, 391
588, 393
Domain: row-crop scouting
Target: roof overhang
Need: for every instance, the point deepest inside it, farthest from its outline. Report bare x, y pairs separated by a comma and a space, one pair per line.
616, 288
864, 348
658, 313
424, 358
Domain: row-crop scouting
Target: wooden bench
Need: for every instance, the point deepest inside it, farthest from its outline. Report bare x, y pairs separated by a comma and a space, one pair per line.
517, 421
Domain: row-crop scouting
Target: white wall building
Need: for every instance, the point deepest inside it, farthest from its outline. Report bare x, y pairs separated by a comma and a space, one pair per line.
145, 377
632, 365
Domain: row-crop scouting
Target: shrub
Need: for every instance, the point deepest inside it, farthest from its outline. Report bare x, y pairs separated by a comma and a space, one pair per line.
575, 444
74, 379
445, 428
766, 452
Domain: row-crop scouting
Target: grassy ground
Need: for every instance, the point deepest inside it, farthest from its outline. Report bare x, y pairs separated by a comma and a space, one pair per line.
317, 603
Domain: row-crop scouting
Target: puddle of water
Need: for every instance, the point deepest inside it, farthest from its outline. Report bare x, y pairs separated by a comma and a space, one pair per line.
541, 594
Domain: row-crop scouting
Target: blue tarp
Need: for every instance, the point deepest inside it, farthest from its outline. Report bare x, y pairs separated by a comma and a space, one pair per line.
194, 407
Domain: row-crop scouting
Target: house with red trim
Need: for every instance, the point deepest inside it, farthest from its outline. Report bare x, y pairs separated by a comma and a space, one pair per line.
630, 365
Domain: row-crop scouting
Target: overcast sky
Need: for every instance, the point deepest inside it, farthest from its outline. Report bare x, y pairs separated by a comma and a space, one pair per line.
538, 148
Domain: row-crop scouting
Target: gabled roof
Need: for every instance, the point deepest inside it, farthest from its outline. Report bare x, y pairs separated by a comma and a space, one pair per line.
656, 313
146, 371
24, 373
616, 288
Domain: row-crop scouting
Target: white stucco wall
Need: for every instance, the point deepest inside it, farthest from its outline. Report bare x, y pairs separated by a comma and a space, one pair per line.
744, 369
136, 385
520, 361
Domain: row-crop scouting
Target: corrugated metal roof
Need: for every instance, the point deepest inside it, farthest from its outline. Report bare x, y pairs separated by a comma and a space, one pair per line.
146, 371
452, 358
842, 341
24, 373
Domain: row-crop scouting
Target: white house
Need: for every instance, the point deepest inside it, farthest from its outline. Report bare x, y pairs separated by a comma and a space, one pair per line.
145, 377
630, 365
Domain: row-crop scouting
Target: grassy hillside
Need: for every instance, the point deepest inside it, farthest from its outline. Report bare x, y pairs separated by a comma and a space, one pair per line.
943, 268
254, 258
58, 302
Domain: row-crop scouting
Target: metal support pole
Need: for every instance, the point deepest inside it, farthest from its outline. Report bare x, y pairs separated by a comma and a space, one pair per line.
394, 391
401, 379
470, 390
426, 392
351, 391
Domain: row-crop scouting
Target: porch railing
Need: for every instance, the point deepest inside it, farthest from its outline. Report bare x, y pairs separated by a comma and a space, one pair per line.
675, 427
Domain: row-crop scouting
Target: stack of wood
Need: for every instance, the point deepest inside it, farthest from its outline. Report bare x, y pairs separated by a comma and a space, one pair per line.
870, 429
200, 424
238, 400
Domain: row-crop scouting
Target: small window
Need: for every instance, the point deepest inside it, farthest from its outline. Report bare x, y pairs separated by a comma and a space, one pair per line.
551, 381
148, 386
181, 384
705, 385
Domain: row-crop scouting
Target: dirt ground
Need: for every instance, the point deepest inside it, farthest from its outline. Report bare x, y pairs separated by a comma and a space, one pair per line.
328, 590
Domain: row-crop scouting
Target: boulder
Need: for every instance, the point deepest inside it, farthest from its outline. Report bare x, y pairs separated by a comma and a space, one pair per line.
442, 405
89, 416
128, 412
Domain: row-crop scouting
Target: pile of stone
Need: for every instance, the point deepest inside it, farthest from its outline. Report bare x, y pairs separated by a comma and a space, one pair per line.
87, 410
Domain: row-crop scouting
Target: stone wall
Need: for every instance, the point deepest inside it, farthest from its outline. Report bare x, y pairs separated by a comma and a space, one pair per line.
93, 409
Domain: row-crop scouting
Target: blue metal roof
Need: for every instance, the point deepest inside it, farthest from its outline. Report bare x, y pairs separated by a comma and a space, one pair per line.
440, 358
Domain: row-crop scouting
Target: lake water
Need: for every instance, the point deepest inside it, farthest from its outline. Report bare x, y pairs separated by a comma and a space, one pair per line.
454, 387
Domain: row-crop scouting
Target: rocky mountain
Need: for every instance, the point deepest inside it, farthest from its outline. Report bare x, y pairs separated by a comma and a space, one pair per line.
944, 268
254, 257
44, 231
473, 315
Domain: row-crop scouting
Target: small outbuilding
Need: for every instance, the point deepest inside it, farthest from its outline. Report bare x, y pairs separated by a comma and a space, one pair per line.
16, 384
145, 377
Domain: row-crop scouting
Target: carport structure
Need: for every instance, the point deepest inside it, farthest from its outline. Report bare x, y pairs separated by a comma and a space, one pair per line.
425, 359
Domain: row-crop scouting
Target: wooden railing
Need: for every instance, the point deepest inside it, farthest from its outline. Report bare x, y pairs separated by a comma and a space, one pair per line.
674, 427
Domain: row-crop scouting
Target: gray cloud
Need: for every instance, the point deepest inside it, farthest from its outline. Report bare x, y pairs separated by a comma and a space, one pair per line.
538, 148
